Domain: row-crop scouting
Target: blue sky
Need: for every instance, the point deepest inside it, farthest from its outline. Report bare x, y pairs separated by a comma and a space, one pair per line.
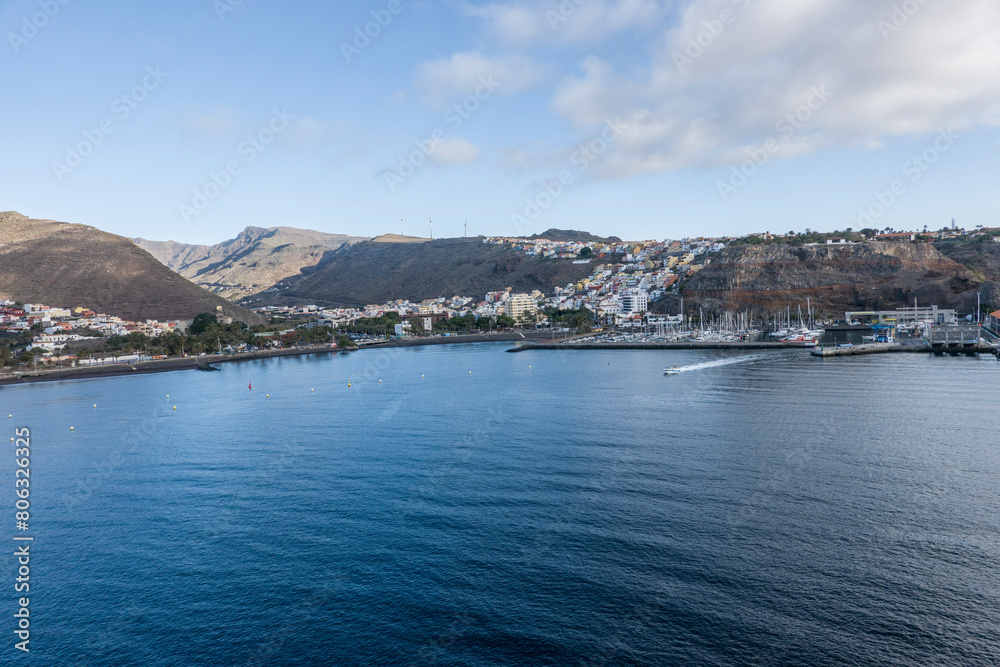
645, 110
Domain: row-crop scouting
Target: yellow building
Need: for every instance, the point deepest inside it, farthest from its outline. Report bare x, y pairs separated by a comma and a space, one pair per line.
519, 305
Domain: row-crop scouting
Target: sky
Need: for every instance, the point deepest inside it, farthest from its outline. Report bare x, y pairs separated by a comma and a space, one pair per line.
645, 119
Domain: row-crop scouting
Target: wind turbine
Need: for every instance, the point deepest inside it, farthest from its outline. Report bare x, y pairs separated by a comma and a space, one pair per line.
466, 234
401, 227
432, 226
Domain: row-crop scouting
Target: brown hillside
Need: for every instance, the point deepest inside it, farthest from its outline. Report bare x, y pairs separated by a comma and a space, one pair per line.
834, 278
371, 272
68, 265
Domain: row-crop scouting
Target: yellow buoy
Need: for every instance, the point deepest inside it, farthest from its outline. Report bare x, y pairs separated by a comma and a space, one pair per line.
168, 395
10, 416
95, 405
267, 396
71, 428
175, 407
421, 376
380, 382
470, 372
12, 439
312, 390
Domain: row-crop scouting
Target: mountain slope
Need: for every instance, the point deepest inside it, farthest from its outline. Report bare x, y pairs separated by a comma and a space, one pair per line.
67, 265
256, 259
375, 272
834, 278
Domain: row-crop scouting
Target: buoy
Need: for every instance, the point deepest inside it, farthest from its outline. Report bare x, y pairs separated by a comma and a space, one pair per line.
10, 416
12, 439
175, 407
470, 372
380, 382
95, 405
529, 368
267, 396
168, 395
421, 376
312, 390
348, 382
71, 428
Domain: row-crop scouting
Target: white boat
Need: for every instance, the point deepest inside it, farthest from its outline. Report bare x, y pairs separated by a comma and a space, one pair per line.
673, 370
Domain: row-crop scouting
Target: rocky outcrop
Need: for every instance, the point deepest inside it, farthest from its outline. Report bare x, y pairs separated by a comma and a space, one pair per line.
833, 278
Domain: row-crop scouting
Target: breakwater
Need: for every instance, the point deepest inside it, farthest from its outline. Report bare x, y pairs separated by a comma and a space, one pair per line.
679, 345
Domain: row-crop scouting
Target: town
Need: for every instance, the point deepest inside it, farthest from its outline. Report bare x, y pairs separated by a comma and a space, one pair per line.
627, 277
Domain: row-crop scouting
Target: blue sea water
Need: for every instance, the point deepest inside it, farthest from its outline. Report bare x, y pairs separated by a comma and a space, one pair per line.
458, 505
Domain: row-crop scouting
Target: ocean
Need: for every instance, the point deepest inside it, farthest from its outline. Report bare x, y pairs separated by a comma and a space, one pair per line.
458, 505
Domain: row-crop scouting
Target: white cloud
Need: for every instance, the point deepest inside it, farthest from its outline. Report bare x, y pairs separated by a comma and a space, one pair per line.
565, 21
454, 151
886, 75
447, 80
218, 120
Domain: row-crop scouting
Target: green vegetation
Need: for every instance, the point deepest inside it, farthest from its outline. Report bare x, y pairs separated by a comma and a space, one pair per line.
582, 319
383, 326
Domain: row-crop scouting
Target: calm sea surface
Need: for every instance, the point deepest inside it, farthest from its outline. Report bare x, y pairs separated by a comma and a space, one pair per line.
550, 508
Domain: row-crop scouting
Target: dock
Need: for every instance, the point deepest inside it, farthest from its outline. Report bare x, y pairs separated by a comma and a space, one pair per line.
867, 348
956, 348
679, 345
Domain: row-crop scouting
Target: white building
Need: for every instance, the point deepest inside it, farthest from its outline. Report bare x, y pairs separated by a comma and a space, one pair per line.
635, 303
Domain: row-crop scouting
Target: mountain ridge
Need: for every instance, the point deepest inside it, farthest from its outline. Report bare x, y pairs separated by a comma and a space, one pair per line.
255, 259
68, 265
374, 272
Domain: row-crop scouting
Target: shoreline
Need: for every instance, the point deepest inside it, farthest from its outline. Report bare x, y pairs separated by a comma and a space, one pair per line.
194, 363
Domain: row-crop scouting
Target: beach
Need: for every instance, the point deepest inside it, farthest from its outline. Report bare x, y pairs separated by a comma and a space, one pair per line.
203, 362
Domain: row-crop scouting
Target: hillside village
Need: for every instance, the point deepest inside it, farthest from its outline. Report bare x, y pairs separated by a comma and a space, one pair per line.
625, 279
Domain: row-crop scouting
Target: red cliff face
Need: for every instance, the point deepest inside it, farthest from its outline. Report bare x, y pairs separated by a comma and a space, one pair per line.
834, 278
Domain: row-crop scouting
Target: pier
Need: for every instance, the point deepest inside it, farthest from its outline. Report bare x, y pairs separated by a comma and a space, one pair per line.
957, 340
678, 345
867, 348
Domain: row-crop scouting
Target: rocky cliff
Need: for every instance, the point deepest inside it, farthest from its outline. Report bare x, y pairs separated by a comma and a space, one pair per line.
833, 278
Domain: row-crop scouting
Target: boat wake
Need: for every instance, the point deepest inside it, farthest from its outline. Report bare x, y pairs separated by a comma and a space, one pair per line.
720, 362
